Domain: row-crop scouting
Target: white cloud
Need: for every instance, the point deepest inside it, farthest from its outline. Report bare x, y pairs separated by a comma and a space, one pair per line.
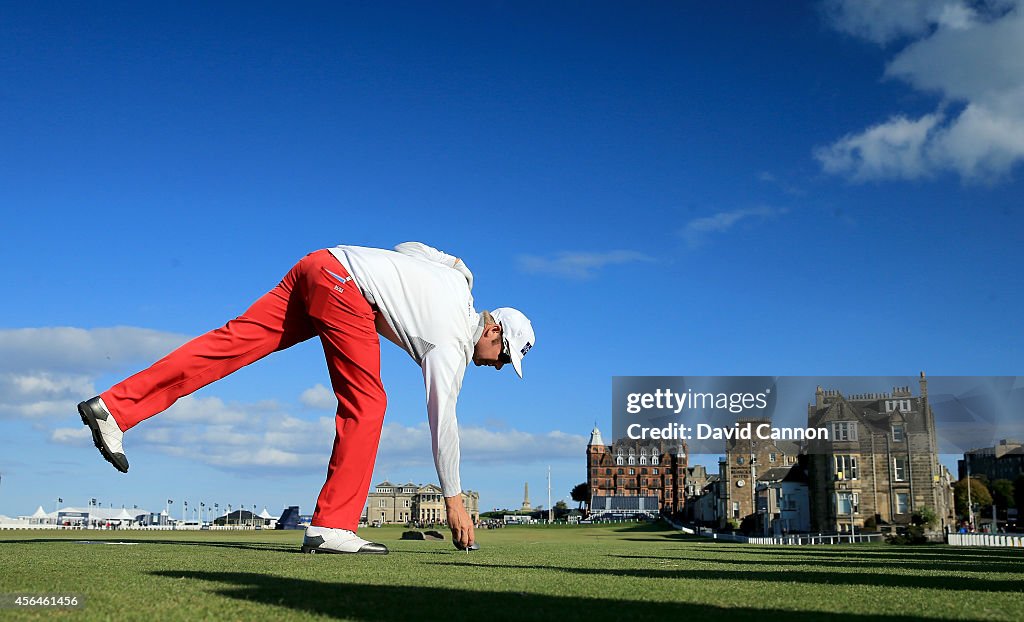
895, 148
578, 265
697, 230
265, 457
984, 142
228, 435
45, 372
487, 446
66, 348
319, 397
883, 21
211, 411
209, 430
39, 394
410, 446
972, 57
77, 437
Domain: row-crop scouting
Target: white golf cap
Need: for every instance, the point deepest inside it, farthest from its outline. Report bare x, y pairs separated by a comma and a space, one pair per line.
517, 331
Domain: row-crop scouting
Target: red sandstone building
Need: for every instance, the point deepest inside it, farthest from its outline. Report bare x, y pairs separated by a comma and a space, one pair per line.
635, 476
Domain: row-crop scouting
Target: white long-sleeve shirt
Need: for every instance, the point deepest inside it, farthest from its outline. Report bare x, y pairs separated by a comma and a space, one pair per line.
425, 301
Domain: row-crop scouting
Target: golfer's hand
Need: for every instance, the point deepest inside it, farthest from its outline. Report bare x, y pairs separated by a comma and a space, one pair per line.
459, 522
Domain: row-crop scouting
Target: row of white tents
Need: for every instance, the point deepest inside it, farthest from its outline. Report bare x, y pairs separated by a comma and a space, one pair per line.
95, 517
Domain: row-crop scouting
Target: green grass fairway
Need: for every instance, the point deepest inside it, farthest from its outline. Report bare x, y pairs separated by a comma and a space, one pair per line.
600, 572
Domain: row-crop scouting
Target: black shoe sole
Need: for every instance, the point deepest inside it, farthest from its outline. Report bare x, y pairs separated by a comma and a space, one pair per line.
89, 418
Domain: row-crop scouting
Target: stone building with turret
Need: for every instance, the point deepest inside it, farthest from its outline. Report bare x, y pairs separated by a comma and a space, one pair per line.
880, 461
636, 476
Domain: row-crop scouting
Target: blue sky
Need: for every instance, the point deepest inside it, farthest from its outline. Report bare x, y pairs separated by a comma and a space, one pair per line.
671, 189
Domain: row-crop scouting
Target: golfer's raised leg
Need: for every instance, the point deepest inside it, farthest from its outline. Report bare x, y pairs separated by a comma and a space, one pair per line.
274, 322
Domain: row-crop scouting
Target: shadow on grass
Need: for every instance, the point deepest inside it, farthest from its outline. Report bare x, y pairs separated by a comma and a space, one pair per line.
653, 528
247, 546
790, 576
869, 550
388, 603
841, 561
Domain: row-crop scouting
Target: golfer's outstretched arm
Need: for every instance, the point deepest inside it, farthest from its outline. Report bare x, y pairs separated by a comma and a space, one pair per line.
443, 370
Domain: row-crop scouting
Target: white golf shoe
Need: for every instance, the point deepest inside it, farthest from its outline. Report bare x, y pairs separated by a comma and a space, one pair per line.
105, 433
328, 540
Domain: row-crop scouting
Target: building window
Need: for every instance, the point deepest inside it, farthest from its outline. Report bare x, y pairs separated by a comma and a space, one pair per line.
843, 503
621, 471
655, 471
902, 503
845, 467
844, 431
900, 468
632, 460
618, 460
897, 434
771, 457
654, 459
735, 509
632, 471
902, 405
607, 471
380, 503
406, 503
643, 459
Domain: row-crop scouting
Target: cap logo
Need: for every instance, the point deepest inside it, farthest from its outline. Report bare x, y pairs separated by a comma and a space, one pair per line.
527, 347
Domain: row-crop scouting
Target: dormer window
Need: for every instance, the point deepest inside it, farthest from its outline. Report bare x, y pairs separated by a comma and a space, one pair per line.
902, 405
844, 431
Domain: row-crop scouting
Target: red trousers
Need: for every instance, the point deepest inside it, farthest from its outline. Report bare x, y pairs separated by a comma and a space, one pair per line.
317, 297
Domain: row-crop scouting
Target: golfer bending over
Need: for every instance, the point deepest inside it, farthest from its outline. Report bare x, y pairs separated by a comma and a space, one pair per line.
416, 296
